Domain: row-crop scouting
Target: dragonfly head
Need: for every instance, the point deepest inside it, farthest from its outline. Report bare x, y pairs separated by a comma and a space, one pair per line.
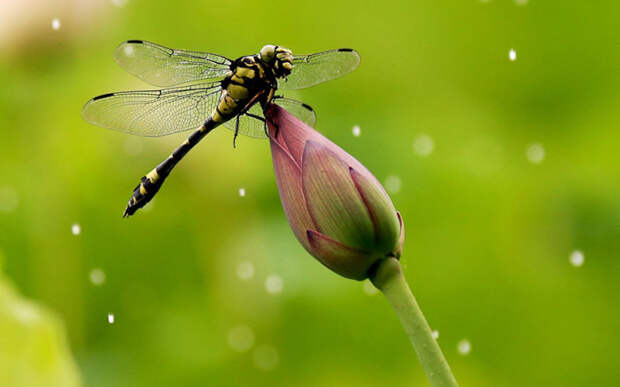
279, 58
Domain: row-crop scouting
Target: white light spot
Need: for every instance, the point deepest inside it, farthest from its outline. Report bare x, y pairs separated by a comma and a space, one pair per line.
521, 2
97, 276
76, 229
370, 289
111, 318
133, 146
512, 54
56, 24
393, 184
423, 144
241, 338
576, 258
242, 192
435, 334
25, 313
265, 358
8, 199
119, 3
128, 50
274, 284
464, 347
535, 153
357, 131
245, 270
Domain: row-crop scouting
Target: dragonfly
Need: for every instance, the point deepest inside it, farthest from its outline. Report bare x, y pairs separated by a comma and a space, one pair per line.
201, 91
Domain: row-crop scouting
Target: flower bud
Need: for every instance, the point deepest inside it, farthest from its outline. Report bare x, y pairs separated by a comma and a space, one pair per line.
337, 209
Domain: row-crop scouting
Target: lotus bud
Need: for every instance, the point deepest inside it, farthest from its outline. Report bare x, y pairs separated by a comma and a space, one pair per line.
337, 209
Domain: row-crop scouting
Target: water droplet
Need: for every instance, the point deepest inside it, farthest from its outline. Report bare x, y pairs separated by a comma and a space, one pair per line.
274, 284
245, 270
242, 192
119, 3
265, 358
512, 55
357, 131
76, 229
97, 276
111, 318
56, 24
370, 289
435, 334
133, 146
241, 338
393, 184
576, 258
8, 199
464, 347
423, 144
535, 153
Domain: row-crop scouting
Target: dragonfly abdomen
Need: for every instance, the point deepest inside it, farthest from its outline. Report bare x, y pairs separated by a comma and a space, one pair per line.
152, 182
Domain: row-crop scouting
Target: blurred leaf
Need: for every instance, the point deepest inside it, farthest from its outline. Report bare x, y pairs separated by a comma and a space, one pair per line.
33, 348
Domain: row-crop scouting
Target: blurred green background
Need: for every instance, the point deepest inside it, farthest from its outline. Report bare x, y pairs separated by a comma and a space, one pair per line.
503, 170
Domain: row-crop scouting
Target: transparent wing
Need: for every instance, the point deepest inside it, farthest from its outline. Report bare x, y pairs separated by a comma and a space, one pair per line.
162, 66
299, 109
248, 125
255, 127
310, 70
153, 113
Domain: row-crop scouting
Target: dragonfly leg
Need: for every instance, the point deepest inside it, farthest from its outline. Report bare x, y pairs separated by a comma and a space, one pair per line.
260, 119
236, 131
274, 124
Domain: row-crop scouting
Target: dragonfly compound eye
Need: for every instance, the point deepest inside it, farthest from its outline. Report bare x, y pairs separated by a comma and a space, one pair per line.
267, 53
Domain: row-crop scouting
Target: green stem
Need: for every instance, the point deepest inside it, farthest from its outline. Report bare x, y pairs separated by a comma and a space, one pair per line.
388, 277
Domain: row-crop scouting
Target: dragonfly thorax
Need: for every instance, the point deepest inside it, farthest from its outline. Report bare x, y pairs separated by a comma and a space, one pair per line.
280, 59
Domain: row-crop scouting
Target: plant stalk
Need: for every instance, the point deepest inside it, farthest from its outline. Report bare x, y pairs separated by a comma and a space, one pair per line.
388, 277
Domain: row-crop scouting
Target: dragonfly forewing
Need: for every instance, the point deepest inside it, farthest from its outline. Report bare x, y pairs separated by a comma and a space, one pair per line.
162, 66
310, 70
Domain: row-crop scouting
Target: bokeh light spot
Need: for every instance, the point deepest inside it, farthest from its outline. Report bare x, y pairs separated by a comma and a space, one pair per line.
393, 184
535, 153
245, 270
76, 229
464, 347
119, 3
274, 284
128, 50
576, 258
241, 338
97, 276
423, 145
265, 358
512, 54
